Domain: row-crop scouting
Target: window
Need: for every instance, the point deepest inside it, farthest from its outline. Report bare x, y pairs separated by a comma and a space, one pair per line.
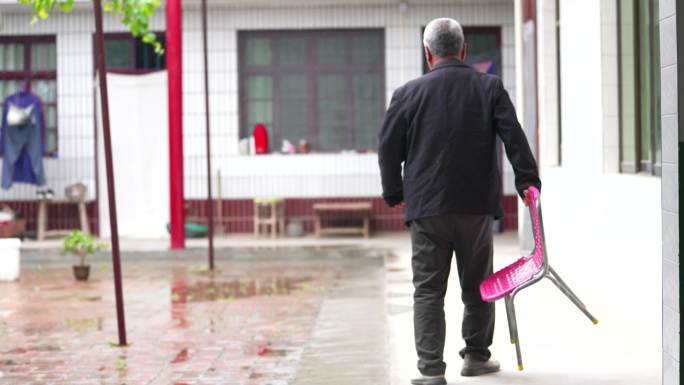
639, 86
127, 54
32, 59
483, 52
325, 87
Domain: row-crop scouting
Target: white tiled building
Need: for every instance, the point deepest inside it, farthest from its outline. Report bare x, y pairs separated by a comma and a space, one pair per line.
610, 169
606, 102
323, 174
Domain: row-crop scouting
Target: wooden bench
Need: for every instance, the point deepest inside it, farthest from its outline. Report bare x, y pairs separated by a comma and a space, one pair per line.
362, 209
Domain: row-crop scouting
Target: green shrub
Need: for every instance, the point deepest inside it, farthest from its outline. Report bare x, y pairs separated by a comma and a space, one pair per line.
81, 245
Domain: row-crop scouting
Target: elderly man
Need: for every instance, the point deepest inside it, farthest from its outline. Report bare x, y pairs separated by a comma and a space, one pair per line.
443, 127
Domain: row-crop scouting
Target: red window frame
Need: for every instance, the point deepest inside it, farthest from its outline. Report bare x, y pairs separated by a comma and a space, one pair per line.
131, 70
310, 69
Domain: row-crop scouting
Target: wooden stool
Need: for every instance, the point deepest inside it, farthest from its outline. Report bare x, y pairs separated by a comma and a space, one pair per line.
274, 210
75, 194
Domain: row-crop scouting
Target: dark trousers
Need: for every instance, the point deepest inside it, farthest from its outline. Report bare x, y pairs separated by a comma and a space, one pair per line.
434, 240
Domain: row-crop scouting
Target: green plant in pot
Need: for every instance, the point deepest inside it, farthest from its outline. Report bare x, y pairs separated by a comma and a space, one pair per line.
81, 245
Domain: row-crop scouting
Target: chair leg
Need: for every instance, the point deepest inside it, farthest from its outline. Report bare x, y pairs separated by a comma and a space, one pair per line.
83, 217
507, 301
563, 287
42, 219
513, 329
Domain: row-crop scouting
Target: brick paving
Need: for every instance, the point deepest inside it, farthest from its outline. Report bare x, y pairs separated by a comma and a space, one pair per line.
247, 323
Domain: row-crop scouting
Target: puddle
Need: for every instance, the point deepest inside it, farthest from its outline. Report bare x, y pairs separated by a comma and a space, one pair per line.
84, 324
91, 298
122, 365
274, 353
46, 348
224, 291
37, 348
396, 269
182, 356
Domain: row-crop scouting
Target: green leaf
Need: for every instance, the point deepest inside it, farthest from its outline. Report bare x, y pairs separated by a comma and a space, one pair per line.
134, 14
66, 6
121, 364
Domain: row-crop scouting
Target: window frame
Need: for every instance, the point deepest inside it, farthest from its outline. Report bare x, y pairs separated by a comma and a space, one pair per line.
125, 36
312, 71
639, 166
496, 30
28, 74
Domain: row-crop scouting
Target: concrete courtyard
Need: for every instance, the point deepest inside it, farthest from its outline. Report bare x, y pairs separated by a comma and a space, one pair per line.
331, 311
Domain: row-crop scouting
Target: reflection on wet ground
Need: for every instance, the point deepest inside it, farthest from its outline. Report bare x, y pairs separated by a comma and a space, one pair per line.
266, 316
212, 290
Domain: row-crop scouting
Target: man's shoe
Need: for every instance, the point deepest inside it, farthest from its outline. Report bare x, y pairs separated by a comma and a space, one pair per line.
429, 380
472, 366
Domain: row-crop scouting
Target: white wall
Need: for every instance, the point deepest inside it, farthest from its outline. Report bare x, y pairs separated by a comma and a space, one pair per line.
591, 212
581, 85
75, 92
609, 81
671, 137
594, 216
403, 50
547, 79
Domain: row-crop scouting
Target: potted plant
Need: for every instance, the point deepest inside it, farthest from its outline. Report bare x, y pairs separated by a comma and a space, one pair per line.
81, 245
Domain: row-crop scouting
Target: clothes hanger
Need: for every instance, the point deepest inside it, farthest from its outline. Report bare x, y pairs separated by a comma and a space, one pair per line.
25, 85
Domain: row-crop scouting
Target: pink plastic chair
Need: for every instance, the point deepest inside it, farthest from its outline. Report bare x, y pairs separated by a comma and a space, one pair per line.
524, 272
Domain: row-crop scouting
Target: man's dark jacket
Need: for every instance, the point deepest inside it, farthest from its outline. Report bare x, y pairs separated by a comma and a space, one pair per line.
443, 126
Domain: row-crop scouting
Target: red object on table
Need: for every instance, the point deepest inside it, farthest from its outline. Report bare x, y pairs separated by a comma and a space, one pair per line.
260, 139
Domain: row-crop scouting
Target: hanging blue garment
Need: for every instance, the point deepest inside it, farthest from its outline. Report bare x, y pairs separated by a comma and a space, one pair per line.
22, 143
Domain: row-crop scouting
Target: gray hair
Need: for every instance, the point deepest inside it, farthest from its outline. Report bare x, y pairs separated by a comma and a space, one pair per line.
443, 37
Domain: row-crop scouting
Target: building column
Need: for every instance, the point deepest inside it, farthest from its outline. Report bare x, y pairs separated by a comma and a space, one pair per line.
671, 47
174, 65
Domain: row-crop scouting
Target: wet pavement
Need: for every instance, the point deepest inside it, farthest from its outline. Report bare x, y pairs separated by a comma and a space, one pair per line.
263, 317
292, 312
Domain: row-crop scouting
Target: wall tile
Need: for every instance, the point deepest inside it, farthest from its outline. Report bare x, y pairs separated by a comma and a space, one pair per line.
670, 180
671, 332
671, 285
668, 90
668, 41
611, 157
670, 370
670, 223
670, 138
666, 8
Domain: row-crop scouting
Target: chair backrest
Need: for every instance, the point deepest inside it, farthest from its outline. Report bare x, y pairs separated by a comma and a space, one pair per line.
539, 253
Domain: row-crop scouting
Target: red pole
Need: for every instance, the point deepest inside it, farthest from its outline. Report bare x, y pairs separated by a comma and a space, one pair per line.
111, 196
174, 66
210, 203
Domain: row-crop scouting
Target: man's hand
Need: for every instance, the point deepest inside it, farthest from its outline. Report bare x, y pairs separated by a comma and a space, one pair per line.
527, 200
